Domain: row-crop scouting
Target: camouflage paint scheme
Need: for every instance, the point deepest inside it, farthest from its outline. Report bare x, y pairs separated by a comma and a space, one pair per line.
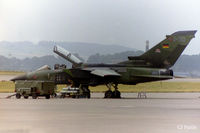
153, 65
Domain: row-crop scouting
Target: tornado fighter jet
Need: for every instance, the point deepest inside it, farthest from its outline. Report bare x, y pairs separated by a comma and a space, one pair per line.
153, 65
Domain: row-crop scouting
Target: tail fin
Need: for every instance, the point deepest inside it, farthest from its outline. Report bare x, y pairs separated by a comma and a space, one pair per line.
166, 53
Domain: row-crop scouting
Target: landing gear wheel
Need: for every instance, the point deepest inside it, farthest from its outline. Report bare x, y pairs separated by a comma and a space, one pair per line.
18, 96
88, 95
84, 92
25, 97
34, 96
108, 94
47, 96
116, 94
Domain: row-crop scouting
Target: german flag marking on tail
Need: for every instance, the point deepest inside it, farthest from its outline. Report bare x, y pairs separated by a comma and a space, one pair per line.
165, 46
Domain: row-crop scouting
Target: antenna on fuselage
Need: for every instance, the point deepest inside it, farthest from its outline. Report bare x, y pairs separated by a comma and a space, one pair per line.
147, 45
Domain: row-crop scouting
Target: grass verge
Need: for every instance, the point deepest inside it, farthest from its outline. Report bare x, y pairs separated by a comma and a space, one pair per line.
152, 87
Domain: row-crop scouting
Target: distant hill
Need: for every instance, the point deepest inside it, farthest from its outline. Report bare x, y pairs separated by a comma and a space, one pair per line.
42, 54
112, 58
25, 49
30, 64
188, 64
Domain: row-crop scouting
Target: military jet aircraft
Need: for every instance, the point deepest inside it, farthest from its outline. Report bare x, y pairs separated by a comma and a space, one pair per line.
153, 65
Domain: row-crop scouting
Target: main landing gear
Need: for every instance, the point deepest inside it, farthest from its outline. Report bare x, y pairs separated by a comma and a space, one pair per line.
84, 92
112, 94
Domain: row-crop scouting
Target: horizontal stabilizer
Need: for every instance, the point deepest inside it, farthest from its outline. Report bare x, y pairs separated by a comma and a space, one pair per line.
155, 76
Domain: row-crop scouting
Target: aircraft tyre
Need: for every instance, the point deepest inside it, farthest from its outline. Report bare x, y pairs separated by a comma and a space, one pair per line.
88, 95
47, 96
108, 94
18, 96
86, 92
25, 97
116, 94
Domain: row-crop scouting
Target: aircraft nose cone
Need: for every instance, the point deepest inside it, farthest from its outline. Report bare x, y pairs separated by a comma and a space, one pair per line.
20, 77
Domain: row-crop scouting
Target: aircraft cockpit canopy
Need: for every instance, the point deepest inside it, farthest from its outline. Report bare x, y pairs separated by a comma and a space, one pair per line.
45, 67
66, 55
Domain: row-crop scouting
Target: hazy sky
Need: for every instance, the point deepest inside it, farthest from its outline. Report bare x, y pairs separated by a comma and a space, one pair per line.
123, 22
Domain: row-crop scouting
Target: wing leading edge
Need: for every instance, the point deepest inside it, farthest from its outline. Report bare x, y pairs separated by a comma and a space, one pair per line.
104, 72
